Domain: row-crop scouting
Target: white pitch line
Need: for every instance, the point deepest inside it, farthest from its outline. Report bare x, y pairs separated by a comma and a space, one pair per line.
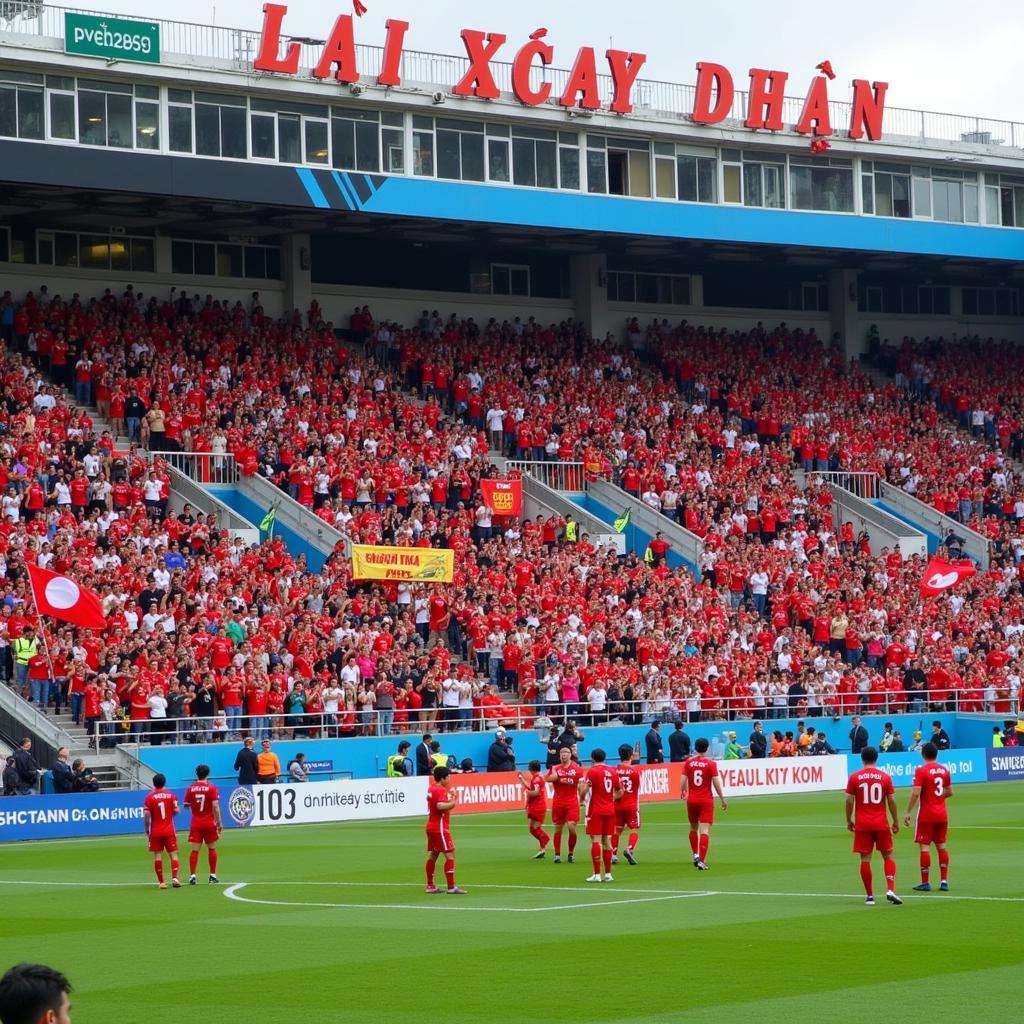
232, 893
78, 885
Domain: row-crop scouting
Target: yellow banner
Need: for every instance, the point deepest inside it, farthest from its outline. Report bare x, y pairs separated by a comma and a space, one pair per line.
422, 565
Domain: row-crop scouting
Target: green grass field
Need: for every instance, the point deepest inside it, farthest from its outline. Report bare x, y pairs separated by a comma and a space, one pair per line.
332, 925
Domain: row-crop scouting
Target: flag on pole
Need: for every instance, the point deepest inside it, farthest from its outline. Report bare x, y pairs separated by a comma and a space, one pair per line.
61, 597
623, 521
267, 523
649, 556
939, 576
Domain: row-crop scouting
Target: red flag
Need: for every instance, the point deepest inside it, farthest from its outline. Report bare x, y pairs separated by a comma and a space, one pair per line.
359, 8
940, 575
503, 497
62, 598
825, 67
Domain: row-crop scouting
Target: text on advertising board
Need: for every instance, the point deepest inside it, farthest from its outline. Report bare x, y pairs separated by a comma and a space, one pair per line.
111, 38
713, 96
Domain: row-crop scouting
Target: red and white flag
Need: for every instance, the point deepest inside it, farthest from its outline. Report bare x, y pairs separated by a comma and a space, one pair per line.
61, 597
940, 575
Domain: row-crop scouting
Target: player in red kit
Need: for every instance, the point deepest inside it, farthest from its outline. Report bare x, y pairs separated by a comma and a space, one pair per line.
600, 782
440, 802
868, 793
627, 806
933, 786
203, 800
565, 777
158, 811
536, 791
701, 782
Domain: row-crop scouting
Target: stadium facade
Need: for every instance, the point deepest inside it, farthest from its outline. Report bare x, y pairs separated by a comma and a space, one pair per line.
225, 161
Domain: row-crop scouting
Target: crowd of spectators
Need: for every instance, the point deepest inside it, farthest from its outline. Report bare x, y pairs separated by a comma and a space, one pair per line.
388, 438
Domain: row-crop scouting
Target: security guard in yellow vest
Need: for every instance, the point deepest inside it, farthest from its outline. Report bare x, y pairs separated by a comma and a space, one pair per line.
400, 764
440, 760
24, 649
572, 530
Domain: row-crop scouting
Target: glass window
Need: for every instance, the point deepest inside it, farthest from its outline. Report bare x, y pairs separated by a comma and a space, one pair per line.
731, 184
289, 144
449, 163
30, 113
393, 142
752, 185
423, 153
827, 188
547, 166
255, 261
142, 255
274, 263
498, 160
62, 115
569, 167
182, 257
597, 171
232, 132
508, 279
147, 125
665, 177
207, 129
119, 121
206, 258
524, 161
695, 176
316, 141
179, 126
229, 261
343, 143
367, 146
263, 136
65, 249
92, 116
93, 252
922, 195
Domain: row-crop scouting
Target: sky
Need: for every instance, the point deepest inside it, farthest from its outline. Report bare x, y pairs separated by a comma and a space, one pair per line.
937, 55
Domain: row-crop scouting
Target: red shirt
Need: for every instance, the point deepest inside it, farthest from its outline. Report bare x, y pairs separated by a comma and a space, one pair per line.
162, 805
437, 820
700, 770
536, 796
628, 777
199, 798
602, 788
566, 779
934, 781
438, 612
870, 787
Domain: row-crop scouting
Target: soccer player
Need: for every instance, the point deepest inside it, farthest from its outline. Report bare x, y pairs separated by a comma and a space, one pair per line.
565, 807
440, 802
599, 781
203, 800
933, 786
869, 791
536, 806
701, 782
627, 806
158, 811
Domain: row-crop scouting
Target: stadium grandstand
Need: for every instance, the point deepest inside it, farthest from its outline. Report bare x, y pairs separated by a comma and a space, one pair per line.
258, 315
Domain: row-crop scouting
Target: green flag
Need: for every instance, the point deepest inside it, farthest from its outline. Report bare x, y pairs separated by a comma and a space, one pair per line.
623, 521
267, 524
649, 556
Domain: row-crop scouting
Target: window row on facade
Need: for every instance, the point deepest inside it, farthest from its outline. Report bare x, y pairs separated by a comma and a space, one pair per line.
123, 115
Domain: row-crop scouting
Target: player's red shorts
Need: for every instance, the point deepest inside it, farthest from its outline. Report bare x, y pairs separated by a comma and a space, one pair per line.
562, 813
160, 844
203, 834
537, 815
700, 812
627, 817
600, 824
929, 832
866, 840
440, 842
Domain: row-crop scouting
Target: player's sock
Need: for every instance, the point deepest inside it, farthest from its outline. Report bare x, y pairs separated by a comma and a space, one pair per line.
865, 877
926, 863
193, 861
449, 873
702, 846
615, 844
890, 874
558, 844
595, 856
158, 867
572, 843
634, 838
944, 865
430, 872
693, 842
211, 856
175, 867
544, 838
607, 861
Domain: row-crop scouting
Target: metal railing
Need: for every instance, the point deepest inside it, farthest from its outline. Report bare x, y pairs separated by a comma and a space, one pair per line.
202, 467
862, 485
559, 476
651, 97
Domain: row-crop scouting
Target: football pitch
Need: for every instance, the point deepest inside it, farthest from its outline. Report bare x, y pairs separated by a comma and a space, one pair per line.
330, 923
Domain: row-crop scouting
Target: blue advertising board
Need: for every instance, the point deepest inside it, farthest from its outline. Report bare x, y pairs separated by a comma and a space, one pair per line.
964, 765
1006, 765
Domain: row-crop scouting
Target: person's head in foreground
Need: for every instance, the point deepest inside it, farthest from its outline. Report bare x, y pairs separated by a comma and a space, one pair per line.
34, 994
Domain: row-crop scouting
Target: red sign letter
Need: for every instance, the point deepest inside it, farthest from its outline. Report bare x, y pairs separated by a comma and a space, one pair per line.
816, 109
521, 73
393, 43
583, 82
867, 109
712, 76
625, 67
270, 42
340, 49
767, 92
478, 80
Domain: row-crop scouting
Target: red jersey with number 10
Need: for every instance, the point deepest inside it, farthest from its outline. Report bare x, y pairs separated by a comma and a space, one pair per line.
870, 787
602, 789
700, 770
628, 777
199, 798
162, 805
934, 781
566, 781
